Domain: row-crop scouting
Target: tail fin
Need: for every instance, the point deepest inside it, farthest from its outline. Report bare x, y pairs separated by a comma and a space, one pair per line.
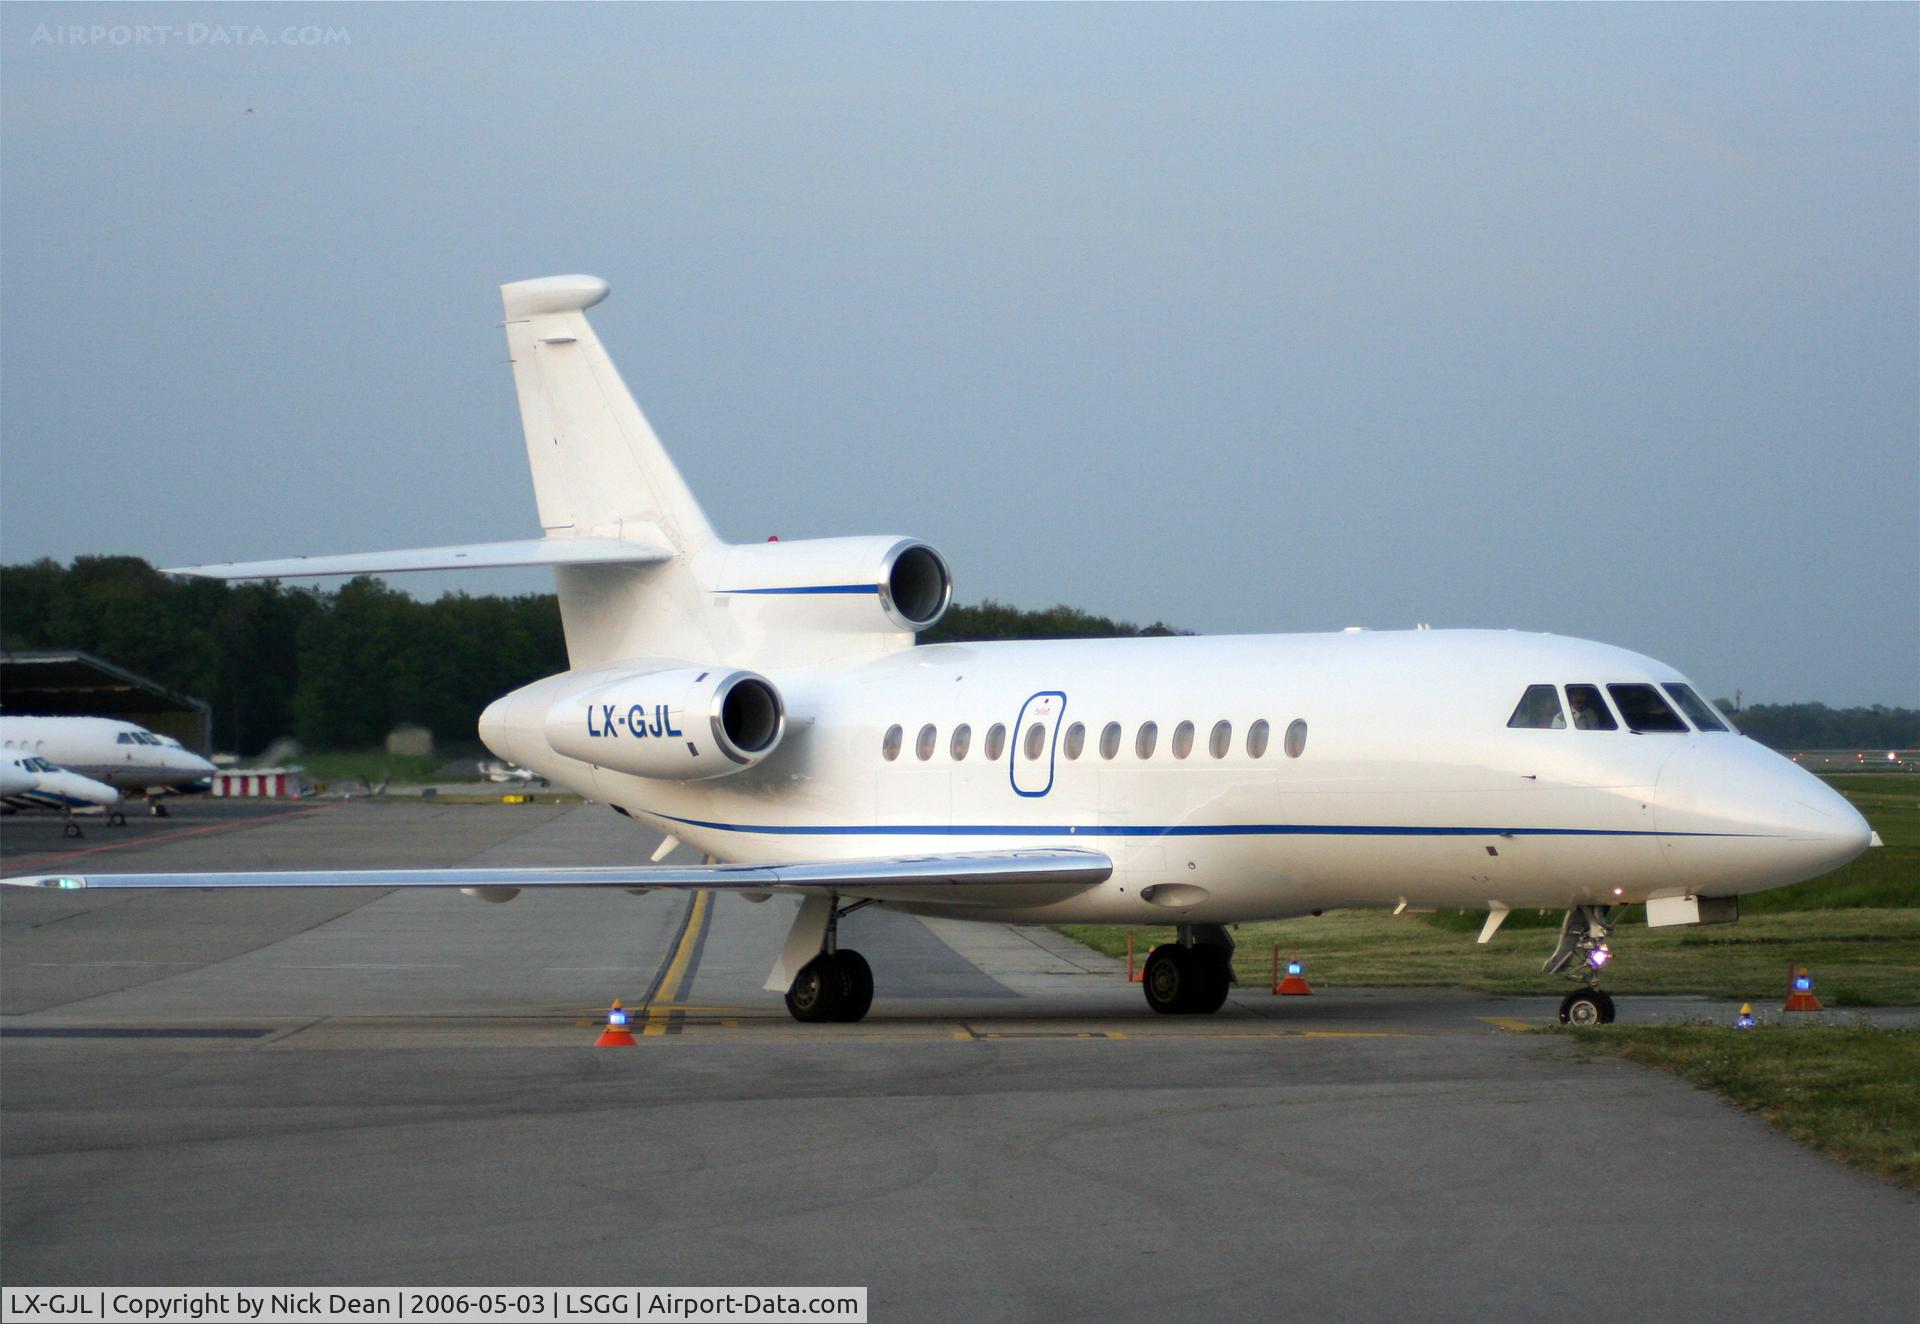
598, 469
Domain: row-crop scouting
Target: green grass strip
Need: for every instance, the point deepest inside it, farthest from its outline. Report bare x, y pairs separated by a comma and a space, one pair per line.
1853, 1093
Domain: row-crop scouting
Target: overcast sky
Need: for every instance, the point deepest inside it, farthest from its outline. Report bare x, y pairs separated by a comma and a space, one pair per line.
1603, 320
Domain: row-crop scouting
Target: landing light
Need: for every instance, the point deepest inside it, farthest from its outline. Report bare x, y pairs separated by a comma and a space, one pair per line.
1599, 956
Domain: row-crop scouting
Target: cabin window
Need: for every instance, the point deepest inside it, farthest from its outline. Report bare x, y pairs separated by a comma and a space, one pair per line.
1257, 739
962, 740
1539, 710
1696, 708
1221, 740
1296, 741
1143, 743
890, 743
1076, 740
1109, 740
1036, 743
996, 740
1644, 709
1590, 711
923, 747
1183, 740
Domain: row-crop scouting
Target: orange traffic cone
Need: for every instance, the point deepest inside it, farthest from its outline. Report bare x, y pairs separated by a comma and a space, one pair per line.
1800, 991
616, 1035
1295, 984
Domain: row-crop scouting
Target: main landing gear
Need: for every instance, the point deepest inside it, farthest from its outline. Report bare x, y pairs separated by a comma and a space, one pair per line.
1581, 954
1190, 977
837, 984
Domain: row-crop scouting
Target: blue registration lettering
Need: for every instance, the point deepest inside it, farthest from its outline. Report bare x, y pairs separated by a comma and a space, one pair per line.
637, 720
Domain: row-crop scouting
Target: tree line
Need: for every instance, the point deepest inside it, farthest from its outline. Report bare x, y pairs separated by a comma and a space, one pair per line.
340, 668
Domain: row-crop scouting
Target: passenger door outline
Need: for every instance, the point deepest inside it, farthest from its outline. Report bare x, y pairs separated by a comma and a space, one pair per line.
1051, 707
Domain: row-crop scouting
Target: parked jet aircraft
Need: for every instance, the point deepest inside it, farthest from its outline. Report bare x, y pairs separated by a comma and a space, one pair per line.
764, 704
28, 781
121, 754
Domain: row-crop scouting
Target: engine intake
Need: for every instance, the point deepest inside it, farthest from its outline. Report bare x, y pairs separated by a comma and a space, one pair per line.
915, 585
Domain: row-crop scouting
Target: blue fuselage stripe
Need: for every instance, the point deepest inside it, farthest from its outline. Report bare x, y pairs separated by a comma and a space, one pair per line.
809, 588
1162, 830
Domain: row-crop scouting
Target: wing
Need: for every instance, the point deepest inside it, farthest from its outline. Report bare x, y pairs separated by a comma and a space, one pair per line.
980, 877
468, 556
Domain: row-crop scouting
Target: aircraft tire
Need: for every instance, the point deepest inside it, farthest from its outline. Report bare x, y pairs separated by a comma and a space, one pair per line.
73, 829
116, 819
1169, 979
1214, 977
816, 991
1586, 1006
856, 985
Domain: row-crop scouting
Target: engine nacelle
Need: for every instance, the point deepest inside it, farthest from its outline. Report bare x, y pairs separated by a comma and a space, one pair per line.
686, 724
845, 584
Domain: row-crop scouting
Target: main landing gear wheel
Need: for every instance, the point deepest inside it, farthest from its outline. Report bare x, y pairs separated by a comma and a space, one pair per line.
1586, 1006
1186, 981
834, 986
73, 829
116, 819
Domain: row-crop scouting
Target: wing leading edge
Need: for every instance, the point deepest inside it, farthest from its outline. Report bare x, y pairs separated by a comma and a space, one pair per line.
467, 556
971, 876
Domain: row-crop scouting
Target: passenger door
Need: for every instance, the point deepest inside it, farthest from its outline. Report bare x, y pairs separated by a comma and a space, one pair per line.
1032, 742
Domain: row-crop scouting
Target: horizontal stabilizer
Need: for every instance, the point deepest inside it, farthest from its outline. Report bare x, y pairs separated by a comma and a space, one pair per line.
962, 870
471, 556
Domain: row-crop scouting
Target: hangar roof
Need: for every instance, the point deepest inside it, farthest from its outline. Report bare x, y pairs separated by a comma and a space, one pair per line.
69, 683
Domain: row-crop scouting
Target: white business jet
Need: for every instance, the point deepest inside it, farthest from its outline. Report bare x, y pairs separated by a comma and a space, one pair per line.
28, 781
125, 756
763, 703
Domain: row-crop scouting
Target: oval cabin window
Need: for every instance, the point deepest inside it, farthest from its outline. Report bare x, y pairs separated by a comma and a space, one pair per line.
996, 741
1296, 738
1183, 740
962, 741
1221, 740
890, 743
1076, 740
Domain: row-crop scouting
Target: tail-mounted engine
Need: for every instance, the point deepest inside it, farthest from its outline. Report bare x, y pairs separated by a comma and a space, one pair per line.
834, 585
686, 724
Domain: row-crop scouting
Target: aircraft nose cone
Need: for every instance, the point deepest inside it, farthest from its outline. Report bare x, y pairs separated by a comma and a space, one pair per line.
1734, 815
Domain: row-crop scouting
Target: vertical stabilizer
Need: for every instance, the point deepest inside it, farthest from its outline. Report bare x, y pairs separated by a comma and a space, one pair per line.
598, 469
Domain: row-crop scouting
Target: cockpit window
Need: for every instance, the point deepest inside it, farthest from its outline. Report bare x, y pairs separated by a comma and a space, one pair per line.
1697, 709
1539, 709
1590, 712
1644, 709
124, 738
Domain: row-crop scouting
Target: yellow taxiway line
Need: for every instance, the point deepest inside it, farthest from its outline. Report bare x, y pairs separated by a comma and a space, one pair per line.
657, 1015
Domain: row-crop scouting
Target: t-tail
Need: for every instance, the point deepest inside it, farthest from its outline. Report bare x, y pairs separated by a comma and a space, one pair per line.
641, 575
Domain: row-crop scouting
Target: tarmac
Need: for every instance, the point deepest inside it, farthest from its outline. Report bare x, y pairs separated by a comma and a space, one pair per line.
373, 1087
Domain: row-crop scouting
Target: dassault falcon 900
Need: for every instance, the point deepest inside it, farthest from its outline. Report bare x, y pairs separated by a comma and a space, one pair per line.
765, 704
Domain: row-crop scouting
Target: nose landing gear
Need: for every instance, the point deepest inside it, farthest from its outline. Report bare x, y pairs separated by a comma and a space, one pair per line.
1581, 954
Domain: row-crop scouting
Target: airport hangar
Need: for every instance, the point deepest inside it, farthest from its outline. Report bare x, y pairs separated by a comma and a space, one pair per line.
64, 682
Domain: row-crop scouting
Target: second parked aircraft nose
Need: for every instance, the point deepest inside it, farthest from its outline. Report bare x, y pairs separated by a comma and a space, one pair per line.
1734, 816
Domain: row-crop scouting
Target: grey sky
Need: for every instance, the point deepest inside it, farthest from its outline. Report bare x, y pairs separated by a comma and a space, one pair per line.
1596, 319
